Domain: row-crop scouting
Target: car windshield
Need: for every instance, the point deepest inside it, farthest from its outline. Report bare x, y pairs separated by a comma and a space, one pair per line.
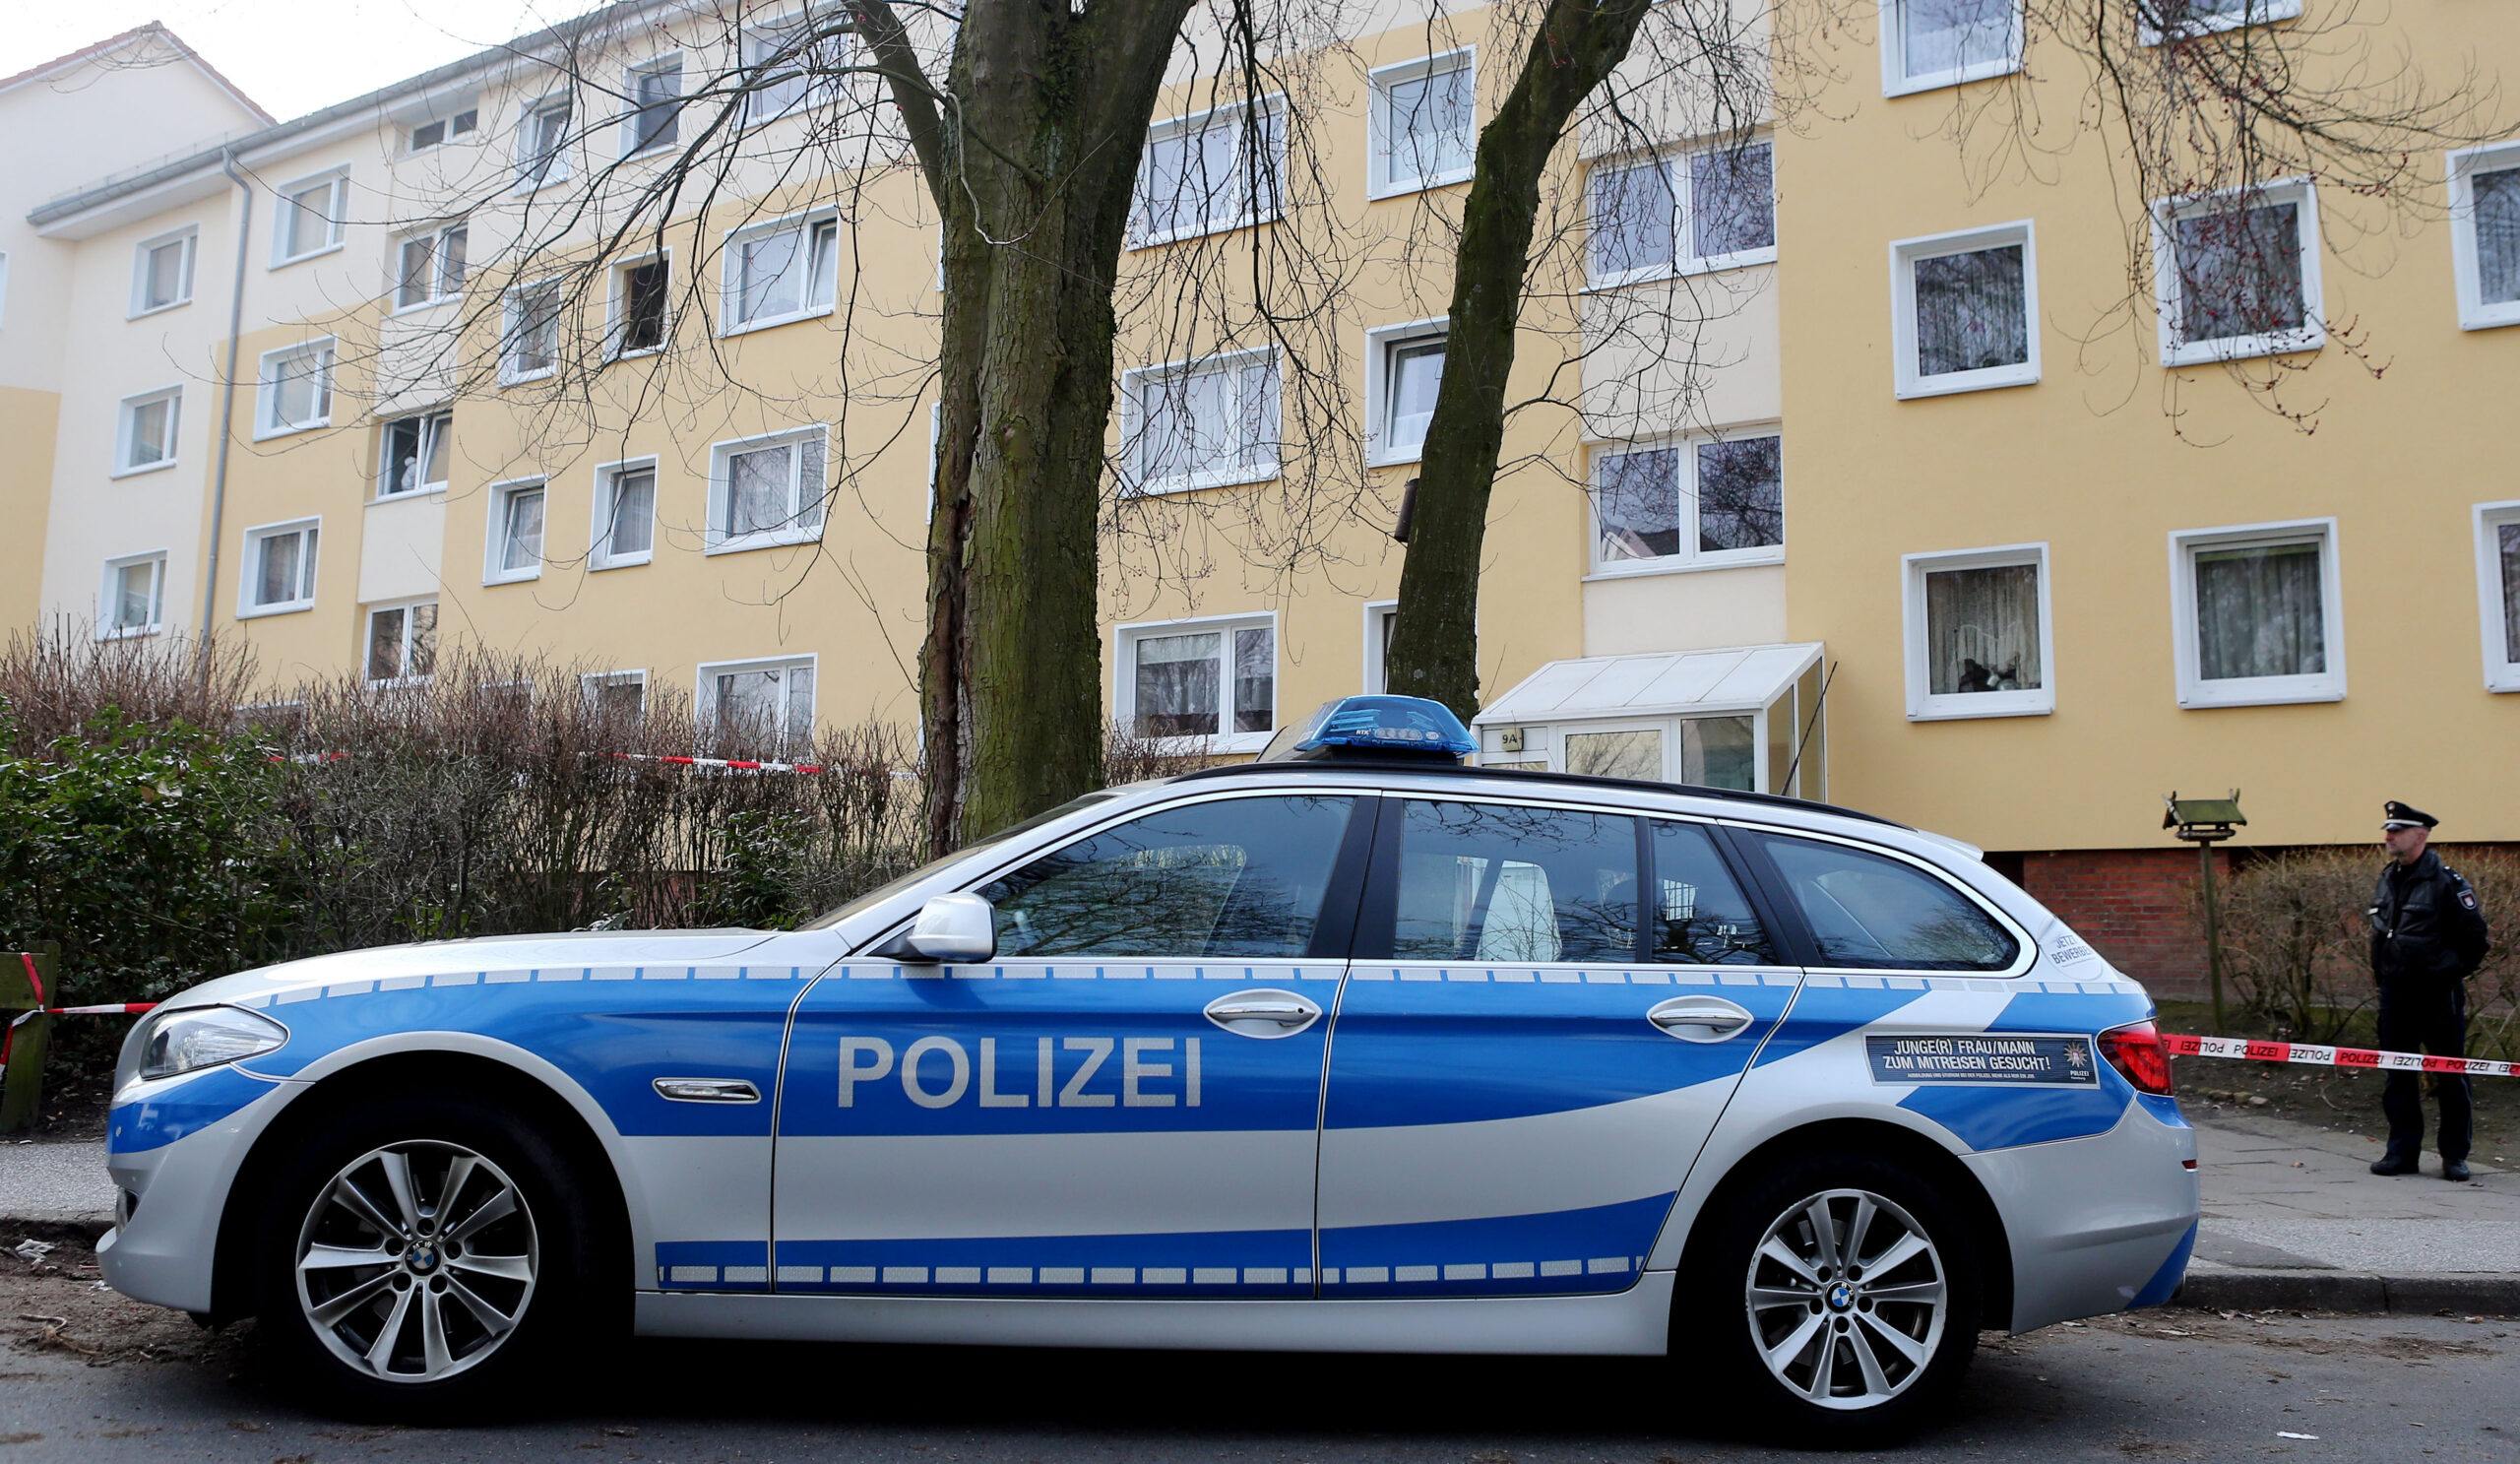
890, 888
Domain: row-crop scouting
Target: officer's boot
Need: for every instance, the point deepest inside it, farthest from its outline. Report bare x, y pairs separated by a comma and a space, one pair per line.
2394, 1163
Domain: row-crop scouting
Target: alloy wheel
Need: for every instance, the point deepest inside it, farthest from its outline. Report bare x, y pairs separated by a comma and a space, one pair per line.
1847, 1298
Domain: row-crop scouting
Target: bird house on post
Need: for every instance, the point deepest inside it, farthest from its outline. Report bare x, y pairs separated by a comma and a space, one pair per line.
2206, 822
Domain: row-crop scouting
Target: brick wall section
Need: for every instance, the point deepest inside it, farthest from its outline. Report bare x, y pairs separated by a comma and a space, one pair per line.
2134, 907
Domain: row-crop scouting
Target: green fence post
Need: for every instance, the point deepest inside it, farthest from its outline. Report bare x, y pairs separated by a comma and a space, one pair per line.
26, 982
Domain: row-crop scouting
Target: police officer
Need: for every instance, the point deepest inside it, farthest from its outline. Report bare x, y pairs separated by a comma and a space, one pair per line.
2427, 937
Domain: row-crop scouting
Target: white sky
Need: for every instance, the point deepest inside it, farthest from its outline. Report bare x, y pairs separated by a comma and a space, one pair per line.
293, 57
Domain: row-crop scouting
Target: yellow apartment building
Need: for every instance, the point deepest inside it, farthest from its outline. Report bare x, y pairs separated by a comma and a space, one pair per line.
1856, 463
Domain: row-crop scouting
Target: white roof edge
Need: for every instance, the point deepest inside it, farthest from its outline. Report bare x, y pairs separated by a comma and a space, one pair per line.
1505, 708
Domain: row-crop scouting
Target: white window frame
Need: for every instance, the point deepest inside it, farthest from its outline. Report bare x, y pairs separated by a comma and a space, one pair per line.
556, 167
590, 682
2167, 291
111, 589
428, 435
1380, 182
1907, 380
246, 582
704, 700
267, 382
367, 635
1678, 166
494, 538
1238, 115
1694, 560
462, 122
1923, 705
1133, 422
617, 309
438, 292
2501, 671
126, 430
2255, 13
729, 264
1895, 80
672, 61
188, 239
817, 91
600, 522
1124, 682
1380, 341
285, 210
2475, 312
511, 321
2255, 691
1376, 679
800, 528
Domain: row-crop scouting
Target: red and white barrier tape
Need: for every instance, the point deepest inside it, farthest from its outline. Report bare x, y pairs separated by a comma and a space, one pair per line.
738, 763
2258, 1049
35, 981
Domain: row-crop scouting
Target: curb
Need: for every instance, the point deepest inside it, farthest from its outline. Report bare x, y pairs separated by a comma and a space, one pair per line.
2337, 1291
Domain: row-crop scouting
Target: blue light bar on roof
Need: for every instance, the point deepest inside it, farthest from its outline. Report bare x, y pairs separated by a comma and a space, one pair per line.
1387, 725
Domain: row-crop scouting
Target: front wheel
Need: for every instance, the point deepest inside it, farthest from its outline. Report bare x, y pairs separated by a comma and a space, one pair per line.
1840, 1291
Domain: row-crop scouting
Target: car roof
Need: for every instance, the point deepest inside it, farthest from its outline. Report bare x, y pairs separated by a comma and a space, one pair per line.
1369, 768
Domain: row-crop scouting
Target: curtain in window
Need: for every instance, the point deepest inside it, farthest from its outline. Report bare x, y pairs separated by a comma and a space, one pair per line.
534, 341
523, 536
136, 596
1430, 124
1633, 219
301, 388
757, 486
277, 581
634, 513
1214, 419
658, 120
2240, 272
2498, 226
164, 284
1741, 493
1971, 311
1943, 35
150, 434
767, 281
1733, 200
1637, 499
2260, 613
1416, 375
2507, 538
1176, 684
1255, 679
1982, 630
1217, 173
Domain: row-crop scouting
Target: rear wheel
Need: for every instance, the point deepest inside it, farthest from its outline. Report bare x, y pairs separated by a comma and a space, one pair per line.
1840, 1291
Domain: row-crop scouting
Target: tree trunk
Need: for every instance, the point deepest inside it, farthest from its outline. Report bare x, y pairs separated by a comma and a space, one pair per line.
1434, 644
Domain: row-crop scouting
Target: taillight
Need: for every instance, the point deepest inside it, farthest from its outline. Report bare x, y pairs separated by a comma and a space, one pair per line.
2136, 1052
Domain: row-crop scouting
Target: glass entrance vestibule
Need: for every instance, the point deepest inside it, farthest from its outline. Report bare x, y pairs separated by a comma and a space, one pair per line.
1750, 718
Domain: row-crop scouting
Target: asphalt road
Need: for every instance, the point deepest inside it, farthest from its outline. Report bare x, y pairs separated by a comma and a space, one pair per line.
95, 1377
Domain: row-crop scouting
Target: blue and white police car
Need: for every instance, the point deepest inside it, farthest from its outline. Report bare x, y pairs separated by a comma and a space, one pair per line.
1355, 1047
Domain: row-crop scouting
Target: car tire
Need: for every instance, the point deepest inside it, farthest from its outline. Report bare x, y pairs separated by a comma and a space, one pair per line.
423, 1253
1828, 1349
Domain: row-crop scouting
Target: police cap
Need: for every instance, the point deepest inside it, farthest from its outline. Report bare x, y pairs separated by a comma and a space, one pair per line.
2397, 816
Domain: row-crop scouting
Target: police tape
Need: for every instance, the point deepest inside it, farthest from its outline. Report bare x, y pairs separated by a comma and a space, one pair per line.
35, 980
2258, 1049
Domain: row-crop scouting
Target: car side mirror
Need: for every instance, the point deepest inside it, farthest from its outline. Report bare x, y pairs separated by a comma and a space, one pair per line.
955, 928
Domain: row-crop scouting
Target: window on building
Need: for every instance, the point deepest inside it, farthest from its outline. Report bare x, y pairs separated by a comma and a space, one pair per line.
437, 133
654, 108
1405, 366
2485, 234
134, 599
2158, 21
147, 439
312, 213
759, 706
431, 266
766, 490
781, 272
161, 274
1709, 209
1978, 631
1380, 618
1202, 425
296, 389
280, 568
2257, 615
1424, 124
625, 514
1214, 679
1927, 43
639, 295
529, 345
1216, 170
542, 143
1965, 307
401, 642
2237, 274
516, 532
1708, 502
417, 449
2499, 591
793, 67
615, 696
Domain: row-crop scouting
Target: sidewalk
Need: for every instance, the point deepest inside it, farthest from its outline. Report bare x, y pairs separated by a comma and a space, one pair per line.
56, 1183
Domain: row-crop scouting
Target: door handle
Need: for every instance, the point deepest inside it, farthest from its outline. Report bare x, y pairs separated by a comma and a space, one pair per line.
1264, 1013
1700, 1018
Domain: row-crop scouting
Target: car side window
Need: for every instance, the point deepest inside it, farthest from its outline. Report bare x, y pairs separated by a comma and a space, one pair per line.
1700, 916
1873, 912
1511, 884
1240, 877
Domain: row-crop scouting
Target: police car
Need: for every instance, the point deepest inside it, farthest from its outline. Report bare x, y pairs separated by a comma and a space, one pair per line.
1356, 1048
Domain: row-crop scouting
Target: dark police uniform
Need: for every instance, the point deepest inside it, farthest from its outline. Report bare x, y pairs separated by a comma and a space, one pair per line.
2427, 937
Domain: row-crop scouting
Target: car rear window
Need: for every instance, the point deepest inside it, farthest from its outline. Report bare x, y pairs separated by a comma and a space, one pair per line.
1871, 912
